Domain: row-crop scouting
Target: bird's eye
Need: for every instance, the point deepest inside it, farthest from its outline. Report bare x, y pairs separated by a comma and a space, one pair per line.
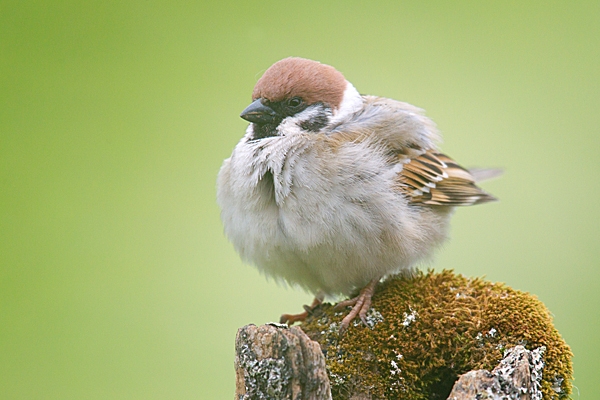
295, 102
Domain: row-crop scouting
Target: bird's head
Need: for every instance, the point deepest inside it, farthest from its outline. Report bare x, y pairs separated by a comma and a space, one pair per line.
296, 95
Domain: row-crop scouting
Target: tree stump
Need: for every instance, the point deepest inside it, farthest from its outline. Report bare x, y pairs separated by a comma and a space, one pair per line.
430, 336
277, 362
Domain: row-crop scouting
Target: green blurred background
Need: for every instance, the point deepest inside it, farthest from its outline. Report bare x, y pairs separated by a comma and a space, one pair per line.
116, 281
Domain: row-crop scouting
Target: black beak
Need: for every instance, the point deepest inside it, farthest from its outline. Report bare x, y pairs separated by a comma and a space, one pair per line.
259, 113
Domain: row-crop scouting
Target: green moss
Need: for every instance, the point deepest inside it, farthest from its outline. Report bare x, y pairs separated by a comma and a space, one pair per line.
427, 330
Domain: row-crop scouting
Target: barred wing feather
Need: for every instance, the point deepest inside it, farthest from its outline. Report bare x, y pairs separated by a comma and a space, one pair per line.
435, 179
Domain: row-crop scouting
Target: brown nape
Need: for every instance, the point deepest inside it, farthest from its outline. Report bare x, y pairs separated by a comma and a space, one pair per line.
312, 81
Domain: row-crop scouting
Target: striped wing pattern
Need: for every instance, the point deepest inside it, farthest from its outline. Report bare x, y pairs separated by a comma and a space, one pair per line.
435, 179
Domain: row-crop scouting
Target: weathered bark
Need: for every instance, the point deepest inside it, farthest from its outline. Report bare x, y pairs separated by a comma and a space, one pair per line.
517, 377
276, 362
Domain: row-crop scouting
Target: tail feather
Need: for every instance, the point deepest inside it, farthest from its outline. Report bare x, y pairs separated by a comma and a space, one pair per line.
485, 174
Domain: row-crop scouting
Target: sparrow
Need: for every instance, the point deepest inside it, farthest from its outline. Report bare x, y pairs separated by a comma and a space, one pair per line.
331, 190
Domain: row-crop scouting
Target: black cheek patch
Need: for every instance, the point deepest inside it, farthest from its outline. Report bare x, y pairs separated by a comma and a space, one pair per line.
315, 124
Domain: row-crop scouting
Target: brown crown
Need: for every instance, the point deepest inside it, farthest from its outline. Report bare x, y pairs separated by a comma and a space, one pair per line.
312, 81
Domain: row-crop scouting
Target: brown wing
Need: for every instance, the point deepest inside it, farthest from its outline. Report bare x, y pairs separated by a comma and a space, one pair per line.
435, 179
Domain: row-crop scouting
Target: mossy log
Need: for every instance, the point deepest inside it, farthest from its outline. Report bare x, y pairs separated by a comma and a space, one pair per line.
426, 331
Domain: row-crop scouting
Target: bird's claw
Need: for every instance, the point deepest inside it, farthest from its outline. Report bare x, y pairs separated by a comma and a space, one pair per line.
360, 306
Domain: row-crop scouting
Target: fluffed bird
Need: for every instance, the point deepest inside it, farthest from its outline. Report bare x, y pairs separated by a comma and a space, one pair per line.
331, 190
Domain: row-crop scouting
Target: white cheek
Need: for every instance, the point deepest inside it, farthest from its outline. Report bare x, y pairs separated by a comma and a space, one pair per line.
292, 125
289, 126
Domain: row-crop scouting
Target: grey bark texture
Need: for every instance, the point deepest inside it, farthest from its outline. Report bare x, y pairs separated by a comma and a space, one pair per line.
517, 377
276, 362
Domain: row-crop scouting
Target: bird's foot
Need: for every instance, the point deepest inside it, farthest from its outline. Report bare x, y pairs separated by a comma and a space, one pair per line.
361, 305
291, 318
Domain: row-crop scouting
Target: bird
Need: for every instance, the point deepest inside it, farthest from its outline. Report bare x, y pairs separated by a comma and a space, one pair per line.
332, 191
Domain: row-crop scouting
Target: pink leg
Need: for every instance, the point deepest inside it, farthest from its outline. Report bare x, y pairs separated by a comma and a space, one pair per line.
291, 318
360, 303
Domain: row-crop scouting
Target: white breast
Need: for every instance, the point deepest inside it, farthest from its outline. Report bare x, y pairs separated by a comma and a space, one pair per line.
322, 217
